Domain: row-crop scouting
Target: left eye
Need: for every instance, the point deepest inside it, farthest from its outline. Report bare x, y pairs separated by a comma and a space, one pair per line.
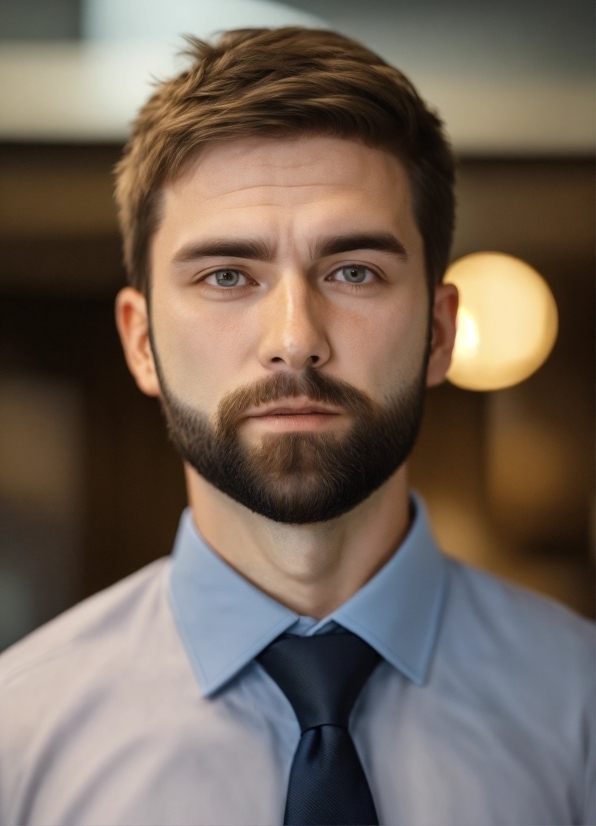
226, 278
355, 274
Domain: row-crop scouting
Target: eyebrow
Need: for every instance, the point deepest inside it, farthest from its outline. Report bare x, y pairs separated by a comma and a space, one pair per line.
381, 241
258, 250
225, 248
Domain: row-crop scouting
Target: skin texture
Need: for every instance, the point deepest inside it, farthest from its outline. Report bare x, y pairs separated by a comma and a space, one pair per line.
293, 307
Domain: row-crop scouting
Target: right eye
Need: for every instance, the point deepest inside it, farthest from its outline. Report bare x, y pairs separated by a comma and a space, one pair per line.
226, 278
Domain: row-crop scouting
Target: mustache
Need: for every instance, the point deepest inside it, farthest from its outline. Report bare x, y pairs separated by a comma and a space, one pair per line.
312, 384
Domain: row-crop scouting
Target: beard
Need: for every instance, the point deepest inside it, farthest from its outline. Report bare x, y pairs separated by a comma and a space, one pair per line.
298, 478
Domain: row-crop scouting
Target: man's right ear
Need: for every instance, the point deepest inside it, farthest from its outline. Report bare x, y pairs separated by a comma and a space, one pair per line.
132, 320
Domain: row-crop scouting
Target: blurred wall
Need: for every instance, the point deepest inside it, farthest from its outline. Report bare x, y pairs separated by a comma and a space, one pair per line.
40, 20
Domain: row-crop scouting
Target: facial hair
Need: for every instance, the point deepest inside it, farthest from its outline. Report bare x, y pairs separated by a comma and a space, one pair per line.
298, 478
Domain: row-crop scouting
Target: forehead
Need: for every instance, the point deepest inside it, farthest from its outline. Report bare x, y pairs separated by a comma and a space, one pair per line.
324, 178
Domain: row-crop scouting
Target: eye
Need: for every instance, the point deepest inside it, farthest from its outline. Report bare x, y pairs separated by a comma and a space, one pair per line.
354, 274
226, 278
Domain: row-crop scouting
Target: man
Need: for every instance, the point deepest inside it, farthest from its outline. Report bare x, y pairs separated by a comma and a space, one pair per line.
308, 655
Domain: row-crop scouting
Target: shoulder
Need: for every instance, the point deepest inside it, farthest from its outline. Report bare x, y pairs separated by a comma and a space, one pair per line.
97, 627
75, 678
529, 637
519, 669
515, 612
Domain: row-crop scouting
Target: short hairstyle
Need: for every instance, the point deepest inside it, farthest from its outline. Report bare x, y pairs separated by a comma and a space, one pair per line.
283, 83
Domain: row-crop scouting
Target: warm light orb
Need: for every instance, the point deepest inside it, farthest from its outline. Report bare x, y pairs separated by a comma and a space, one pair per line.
506, 324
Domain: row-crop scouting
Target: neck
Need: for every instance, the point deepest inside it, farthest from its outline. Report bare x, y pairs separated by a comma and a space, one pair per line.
311, 569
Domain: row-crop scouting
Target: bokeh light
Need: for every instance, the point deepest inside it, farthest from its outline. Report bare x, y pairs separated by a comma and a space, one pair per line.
507, 321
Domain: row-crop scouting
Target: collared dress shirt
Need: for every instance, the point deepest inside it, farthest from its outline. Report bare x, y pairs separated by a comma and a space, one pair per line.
144, 704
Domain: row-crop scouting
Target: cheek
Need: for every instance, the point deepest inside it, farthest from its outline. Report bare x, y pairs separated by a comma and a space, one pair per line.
382, 350
201, 353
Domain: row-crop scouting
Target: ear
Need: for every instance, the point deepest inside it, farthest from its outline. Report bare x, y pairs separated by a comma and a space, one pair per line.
132, 320
443, 333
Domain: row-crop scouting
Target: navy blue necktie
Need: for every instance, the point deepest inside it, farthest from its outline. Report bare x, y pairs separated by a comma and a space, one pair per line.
322, 677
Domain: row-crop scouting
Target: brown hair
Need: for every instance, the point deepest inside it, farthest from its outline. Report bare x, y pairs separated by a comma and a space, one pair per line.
282, 83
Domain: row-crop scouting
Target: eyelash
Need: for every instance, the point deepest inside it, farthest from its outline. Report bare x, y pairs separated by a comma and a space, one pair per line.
357, 286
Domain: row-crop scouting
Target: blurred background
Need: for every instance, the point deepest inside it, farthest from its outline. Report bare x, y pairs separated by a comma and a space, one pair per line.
90, 489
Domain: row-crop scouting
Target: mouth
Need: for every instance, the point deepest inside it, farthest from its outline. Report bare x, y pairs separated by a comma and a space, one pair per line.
292, 407
294, 414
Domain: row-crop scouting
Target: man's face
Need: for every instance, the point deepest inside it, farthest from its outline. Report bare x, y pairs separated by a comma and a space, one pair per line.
289, 322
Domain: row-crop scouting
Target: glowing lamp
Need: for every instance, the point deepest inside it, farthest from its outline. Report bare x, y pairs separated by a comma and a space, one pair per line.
506, 324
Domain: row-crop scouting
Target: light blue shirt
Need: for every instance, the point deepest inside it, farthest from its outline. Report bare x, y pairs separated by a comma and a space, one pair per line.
226, 622
144, 704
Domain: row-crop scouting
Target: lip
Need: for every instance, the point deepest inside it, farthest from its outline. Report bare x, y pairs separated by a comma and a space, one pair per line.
291, 408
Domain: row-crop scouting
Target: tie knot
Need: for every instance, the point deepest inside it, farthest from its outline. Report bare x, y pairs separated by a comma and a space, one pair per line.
321, 676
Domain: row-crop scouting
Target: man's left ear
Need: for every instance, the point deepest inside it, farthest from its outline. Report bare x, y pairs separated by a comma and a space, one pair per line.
443, 333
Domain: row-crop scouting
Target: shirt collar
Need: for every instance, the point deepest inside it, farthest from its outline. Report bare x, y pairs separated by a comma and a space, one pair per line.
225, 621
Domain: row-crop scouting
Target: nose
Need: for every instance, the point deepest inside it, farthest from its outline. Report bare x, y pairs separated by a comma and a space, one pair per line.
293, 335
